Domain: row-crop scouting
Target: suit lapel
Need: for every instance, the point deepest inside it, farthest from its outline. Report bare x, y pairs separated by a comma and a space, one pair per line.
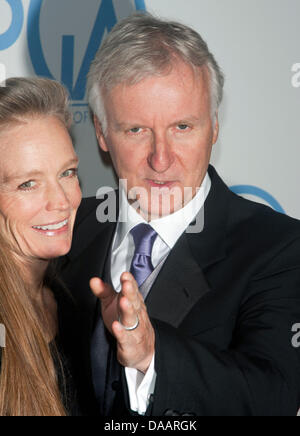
209, 246
179, 286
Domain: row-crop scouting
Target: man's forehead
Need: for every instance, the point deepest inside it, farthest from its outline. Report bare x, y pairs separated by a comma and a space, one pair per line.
172, 100
179, 68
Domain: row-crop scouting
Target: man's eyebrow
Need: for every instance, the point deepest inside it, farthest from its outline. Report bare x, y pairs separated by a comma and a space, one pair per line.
190, 118
34, 173
125, 125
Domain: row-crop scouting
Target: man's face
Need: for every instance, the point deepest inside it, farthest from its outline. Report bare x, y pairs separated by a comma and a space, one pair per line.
160, 136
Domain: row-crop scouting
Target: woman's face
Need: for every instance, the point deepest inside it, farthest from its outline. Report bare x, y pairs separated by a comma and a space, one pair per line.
39, 189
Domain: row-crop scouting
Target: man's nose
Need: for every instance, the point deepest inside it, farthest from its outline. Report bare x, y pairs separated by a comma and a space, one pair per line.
57, 198
161, 156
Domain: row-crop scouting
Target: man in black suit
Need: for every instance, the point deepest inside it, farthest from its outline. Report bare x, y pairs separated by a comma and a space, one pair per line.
207, 328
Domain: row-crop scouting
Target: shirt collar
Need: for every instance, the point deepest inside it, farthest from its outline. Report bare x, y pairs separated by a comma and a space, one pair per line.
169, 227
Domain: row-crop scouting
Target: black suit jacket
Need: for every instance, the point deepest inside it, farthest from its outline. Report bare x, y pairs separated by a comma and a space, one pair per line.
222, 307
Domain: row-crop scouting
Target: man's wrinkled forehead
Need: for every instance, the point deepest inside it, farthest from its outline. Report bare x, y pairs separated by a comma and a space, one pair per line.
200, 77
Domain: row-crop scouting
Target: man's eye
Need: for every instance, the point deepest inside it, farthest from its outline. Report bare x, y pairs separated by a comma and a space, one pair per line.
27, 185
135, 130
183, 126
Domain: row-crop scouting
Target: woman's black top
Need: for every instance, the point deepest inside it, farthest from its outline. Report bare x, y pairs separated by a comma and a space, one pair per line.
65, 379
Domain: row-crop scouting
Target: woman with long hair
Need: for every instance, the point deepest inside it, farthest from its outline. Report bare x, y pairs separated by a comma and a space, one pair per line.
39, 198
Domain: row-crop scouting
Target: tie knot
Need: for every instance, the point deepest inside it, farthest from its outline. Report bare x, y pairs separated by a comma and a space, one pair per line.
144, 237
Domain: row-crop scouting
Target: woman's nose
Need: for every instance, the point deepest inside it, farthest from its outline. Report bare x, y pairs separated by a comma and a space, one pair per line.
57, 198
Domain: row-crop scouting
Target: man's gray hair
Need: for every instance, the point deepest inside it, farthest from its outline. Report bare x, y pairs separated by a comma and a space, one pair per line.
143, 45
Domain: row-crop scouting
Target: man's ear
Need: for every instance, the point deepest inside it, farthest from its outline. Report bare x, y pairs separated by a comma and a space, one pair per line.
216, 129
99, 134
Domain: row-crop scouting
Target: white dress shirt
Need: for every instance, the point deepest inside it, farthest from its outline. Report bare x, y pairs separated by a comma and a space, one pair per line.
169, 229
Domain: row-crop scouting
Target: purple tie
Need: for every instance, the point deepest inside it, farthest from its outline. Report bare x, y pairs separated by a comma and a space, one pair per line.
141, 265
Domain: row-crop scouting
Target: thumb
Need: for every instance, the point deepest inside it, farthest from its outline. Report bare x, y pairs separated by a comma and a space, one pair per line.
100, 289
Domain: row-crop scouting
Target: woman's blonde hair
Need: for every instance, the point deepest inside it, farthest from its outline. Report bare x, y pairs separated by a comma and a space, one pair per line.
28, 380
23, 98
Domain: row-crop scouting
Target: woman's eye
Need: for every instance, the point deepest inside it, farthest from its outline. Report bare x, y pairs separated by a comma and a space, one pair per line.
70, 173
27, 185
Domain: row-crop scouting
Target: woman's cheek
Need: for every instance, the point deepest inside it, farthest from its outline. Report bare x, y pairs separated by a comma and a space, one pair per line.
20, 209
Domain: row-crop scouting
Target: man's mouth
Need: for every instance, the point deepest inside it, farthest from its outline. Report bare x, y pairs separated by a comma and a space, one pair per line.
160, 183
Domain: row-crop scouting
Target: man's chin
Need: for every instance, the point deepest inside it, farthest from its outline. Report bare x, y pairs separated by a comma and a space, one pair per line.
152, 214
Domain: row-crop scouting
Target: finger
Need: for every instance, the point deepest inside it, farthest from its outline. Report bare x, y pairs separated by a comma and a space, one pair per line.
127, 312
119, 332
130, 290
128, 277
123, 337
100, 289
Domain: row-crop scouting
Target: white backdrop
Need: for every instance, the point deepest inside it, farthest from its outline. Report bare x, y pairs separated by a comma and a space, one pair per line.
256, 42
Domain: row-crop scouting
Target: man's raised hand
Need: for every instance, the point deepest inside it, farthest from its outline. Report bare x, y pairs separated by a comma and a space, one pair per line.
121, 312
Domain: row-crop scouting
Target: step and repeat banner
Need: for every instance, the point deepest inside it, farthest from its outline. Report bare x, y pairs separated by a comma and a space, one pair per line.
256, 42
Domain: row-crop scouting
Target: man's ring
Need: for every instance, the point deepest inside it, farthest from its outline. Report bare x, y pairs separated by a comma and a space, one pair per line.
134, 327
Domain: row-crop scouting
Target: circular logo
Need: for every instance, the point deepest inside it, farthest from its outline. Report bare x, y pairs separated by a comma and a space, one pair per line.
65, 54
9, 37
259, 193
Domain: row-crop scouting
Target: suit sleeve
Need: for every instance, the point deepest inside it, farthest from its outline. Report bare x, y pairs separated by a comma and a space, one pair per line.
258, 374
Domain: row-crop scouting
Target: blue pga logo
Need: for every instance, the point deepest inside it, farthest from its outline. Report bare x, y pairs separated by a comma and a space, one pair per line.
10, 36
259, 195
63, 38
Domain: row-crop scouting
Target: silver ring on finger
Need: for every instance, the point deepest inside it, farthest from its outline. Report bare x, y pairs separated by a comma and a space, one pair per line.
134, 327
